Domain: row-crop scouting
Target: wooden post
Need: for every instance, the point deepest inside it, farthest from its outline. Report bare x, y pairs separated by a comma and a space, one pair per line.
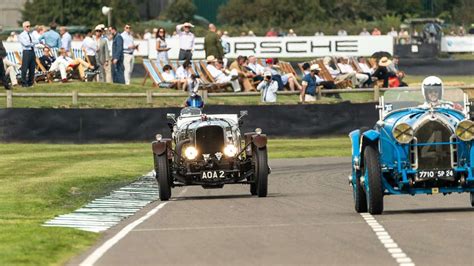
205, 96
149, 97
9, 99
319, 94
75, 97
376, 93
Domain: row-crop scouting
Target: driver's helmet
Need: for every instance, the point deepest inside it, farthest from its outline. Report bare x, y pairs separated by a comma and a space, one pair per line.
194, 99
432, 89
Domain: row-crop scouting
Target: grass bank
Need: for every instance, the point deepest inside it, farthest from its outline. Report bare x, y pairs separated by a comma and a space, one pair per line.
93, 87
40, 181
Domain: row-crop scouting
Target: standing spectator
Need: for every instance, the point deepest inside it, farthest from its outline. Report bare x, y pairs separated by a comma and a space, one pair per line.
128, 48
90, 46
117, 57
271, 33
51, 38
225, 46
291, 33
3, 77
102, 55
269, 88
108, 68
393, 33
13, 37
225, 34
161, 46
342, 32
308, 92
28, 66
154, 33
364, 32
461, 31
39, 30
376, 32
403, 36
186, 41
212, 43
251, 34
66, 39
147, 35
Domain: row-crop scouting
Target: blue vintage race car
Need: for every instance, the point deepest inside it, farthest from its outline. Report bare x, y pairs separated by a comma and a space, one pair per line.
415, 148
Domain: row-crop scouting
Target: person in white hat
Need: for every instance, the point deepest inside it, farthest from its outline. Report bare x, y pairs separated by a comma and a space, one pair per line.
102, 55
186, 41
215, 68
268, 87
310, 84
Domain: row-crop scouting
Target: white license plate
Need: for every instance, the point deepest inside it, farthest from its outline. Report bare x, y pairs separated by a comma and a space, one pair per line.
212, 175
429, 174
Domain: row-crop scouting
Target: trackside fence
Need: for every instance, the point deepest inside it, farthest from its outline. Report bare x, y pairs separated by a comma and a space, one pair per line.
149, 94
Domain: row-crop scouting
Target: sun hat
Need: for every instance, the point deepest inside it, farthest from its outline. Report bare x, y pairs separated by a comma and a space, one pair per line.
314, 67
211, 58
384, 61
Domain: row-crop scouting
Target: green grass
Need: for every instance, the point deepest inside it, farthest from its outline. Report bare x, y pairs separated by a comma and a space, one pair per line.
40, 181
93, 87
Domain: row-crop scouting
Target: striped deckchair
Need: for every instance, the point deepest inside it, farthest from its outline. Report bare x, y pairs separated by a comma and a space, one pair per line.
151, 72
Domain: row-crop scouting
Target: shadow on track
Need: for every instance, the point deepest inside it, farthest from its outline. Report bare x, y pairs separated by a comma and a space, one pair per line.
432, 210
217, 197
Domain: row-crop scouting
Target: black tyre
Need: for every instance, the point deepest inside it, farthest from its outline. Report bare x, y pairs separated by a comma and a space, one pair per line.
162, 176
253, 189
373, 181
261, 171
360, 199
472, 199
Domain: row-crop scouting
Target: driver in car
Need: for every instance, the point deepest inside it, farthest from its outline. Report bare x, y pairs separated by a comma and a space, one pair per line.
432, 89
194, 100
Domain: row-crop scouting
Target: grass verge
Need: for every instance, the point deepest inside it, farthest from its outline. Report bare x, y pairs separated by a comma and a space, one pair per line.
40, 181
136, 86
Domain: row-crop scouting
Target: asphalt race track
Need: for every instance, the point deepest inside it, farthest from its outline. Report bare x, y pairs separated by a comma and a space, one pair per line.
307, 218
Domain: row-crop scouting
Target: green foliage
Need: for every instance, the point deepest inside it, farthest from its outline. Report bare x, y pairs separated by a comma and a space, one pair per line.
78, 12
180, 11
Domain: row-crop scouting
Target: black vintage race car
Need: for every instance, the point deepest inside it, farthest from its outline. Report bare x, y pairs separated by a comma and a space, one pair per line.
209, 151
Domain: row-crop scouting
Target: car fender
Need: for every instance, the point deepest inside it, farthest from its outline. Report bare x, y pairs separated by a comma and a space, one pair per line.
161, 146
471, 156
369, 138
259, 140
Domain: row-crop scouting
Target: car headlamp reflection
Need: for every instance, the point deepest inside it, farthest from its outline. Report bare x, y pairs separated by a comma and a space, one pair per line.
191, 153
230, 150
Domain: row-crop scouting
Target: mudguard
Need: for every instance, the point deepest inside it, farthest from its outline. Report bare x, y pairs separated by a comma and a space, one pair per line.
372, 135
159, 147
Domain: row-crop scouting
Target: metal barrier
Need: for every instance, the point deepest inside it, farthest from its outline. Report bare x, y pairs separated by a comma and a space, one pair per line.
149, 94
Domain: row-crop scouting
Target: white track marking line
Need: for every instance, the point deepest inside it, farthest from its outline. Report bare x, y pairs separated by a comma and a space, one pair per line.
100, 251
384, 237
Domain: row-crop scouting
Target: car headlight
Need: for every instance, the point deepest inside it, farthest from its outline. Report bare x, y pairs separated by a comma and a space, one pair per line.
230, 150
403, 133
465, 130
191, 153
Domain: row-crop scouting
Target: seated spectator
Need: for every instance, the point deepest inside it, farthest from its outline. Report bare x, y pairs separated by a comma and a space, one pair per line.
403, 36
184, 71
64, 63
220, 75
342, 32
381, 72
10, 70
336, 74
327, 84
13, 37
251, 34
271, 33
364, 32
90, 47
244, 75
393, 68
255, 68
47, 59
346, 68
171, 78
286, 78
268, 87
393, 33
362, 62
291, 33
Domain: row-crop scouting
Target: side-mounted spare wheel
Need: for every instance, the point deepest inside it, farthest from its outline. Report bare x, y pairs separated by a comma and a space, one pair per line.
373, 180
260, 160
162, 176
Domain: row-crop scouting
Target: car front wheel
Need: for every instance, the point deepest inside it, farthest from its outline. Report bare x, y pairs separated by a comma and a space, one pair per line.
373, 180
360, 199
162, 176
260, 186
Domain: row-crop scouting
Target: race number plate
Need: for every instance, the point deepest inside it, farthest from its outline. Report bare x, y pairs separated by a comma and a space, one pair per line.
430, 174
212, 175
